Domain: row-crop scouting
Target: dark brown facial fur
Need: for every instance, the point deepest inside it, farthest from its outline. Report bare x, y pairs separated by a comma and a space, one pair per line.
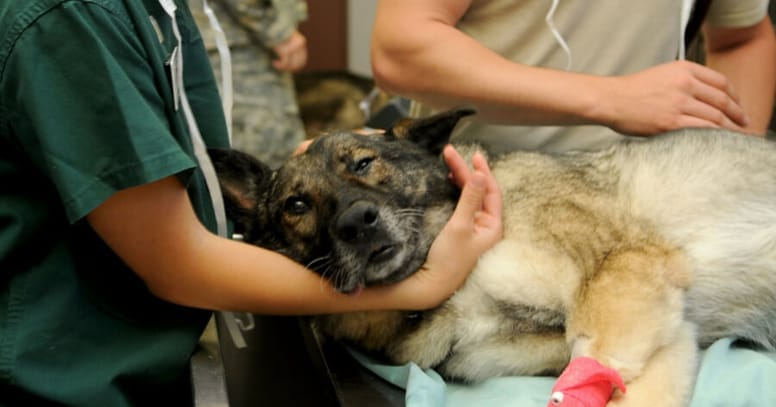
359, 210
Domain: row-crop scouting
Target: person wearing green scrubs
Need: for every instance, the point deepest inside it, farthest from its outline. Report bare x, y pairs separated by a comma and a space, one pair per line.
109, 261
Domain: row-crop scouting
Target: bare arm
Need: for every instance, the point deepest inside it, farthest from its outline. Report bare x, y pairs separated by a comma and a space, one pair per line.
153, 228
417, 52
747, 57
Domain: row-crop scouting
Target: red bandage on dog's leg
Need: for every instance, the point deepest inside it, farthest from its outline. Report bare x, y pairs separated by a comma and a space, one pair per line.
585, 383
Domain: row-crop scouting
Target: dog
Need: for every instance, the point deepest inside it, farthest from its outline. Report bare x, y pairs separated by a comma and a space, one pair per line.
337, 100
636, 255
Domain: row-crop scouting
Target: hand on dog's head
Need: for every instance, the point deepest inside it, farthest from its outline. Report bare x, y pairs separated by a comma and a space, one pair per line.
367, 206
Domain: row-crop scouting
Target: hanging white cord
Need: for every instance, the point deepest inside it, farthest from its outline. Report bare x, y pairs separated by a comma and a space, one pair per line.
684, 20
232, 322
227, 87
200, 151
556, 33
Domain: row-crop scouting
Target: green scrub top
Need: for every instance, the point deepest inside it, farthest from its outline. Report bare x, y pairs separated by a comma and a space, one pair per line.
86, 109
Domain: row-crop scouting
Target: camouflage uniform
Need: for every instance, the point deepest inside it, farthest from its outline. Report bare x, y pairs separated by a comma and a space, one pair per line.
265, 116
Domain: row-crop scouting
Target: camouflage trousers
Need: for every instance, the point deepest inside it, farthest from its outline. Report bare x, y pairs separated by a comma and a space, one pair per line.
265, 115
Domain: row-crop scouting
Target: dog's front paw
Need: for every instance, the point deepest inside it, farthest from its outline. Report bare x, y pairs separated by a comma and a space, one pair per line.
585, 383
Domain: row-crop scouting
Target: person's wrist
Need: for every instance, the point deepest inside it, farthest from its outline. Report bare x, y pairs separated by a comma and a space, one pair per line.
596, 101
429, 287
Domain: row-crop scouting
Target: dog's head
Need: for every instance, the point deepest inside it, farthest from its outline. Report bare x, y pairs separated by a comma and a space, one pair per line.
360, 210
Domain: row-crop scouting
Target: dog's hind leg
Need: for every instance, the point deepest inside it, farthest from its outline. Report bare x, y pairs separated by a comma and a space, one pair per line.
629, 316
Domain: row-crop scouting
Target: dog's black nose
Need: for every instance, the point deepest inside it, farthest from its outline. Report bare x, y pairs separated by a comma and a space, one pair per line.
358, 222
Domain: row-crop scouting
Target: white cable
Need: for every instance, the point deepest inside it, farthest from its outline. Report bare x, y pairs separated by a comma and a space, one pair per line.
684, 20
227, 87
556, 33
200, 150
232, 322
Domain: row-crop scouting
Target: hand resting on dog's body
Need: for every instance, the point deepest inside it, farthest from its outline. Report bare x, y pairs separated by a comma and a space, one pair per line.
623, 255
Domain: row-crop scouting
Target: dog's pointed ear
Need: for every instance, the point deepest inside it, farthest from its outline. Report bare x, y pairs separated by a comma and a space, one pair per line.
432, 132
243, 180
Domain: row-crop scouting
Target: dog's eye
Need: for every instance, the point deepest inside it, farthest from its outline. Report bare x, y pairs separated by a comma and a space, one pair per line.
296, 206
362, 166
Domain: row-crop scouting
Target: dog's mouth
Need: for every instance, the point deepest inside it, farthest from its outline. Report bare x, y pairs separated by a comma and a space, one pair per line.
383, 253
386, 263
393, 248
391, 263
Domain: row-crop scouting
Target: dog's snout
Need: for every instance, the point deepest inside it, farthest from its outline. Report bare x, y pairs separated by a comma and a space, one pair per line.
357, 222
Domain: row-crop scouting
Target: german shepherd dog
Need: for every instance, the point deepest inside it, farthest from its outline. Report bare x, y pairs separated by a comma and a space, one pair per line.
336, 100
635, 255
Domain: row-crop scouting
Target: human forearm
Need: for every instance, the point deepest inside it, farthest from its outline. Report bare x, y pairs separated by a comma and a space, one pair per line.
233, 276
442, 67
658, 99
154, 230
417, 52
747, 57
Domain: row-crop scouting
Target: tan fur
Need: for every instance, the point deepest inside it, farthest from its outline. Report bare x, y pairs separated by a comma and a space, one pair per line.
579, 240
634, 256
372, 330
330, 100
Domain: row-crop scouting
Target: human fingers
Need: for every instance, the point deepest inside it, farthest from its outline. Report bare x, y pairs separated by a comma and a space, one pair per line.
714, 90
460, 174
459, 170
291, 53
452, 255
471, 230
477, 218
472, 197
700, 114
368, 131
492, 201
712, 78
302, 147
290, 61
281, 61
295, 60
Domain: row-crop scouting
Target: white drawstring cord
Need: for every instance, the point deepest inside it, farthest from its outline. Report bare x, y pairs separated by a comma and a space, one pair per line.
556, 33
235, 322
684, 19
227, 87
200, 150
232, 322
685, 13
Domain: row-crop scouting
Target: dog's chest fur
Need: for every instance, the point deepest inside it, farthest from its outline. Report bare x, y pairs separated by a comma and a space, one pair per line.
557, 222
563, 218
646, 249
